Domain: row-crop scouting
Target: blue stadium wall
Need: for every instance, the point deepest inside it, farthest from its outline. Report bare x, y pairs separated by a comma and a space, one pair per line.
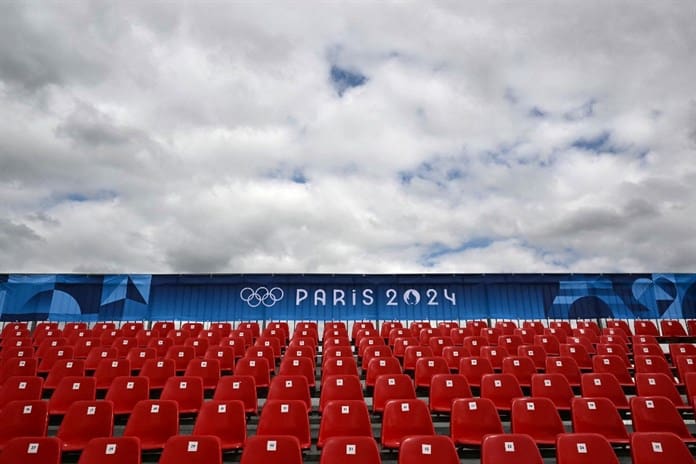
65, 297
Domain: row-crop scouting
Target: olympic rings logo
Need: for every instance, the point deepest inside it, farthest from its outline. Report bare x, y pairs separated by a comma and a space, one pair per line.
261, 296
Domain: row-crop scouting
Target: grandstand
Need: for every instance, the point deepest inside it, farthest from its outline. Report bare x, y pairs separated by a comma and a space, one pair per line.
117, 382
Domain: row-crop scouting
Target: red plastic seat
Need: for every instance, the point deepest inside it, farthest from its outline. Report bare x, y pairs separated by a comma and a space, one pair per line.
472, 419
83, 421
566, 366
645, 327
659, 384
31, 450
272, 342
97, 355
619, 324
614, 349
153, 422
453, 356
458, 334
536, 353
138, 355
20, 388
83, 346
401, 343
536, 326
255, 367
474, 368
52, 355
375, 352
179, 336
271, 450
614, 365
538, 418
658, 414
23, 419
391, 387
157, 371
17, 352
199, 345
563, 326
194, 328
350, 450
427, 367
342, 366
62, 368
511, 447
69, 390
428, 449
438, 344
549, 342
604, 385
160, 345
125, 392
224, 355
306, 351
111, 450
265, 353
495, 354
123, 345
130, 329
387, 326
502, 389
412, 354
598, 415
578, 353
290, 387
347, 418
474, 343
444, 389
238, 387
652, 365
671, 328
403, 418
108, 369
186, 391
522, 367
25, 367
181, 355
185, 449
212, 336
225, 420
527, 335
659, 448
554, 387
207, 369
299, 366
285, 418
340, 387
584, 448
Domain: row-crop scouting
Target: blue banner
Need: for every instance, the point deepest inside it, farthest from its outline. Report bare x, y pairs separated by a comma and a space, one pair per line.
345, 297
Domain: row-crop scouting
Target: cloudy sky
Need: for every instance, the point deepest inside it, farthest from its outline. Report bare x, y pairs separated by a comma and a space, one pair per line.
451, 136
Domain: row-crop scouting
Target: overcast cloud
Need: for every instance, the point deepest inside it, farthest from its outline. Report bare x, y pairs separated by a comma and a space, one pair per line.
362, 137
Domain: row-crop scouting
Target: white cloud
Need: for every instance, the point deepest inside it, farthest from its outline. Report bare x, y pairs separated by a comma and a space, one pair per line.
557, 136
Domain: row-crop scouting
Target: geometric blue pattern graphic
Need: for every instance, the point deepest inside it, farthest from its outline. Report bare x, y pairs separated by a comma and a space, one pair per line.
345, 296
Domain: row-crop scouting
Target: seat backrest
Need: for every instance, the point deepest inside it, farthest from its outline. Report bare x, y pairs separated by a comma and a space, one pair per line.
671, 328
111, 450
538, 418
255, 367
268, 449
564, 365
658, 384
659, 448
657, 414
153, 422
472, 419
605, 385
23, 419
299, 366
651, 364
474, 368
342, 366
108, 369
501, 389
97, 354
427, 367
645, 327
181, 355
225, 420
554, 387
186, 391
598, 415
126, 391
69, 390
238, 387
510, 447
85, 420
522, 367
340, 387
495, 354
445, 388
18, 367
389, 387
290, 387
428, 449
207, 369
31, 450
614, 365
344, 418
185, 449
350, 450
158, 371
584, 448
402, 418
285, 417
20, 388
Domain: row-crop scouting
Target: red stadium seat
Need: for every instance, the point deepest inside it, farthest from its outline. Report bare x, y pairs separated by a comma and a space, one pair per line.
138, 355
495, 354
153, 422
299, 366
157, 371
24, 388
183, 449
391, 387
428, 449
645, 327
111, 450
427, 367
290, 387
522, 367
207, 369
285, 418
502, 389
444, 389
658, 414
350, 450
344, 418
125, 392
225, 420
578, 353
62, 368
97, 355
342, 366
474, 368
555, 387
538, 418
23, 419
566, 366
186, 391
69, 390
108, 369
255, 367
512, 447
403, 418
672, 328
604, 385
83, 421
472, 419
25, 367
536, 353
584, 448
659, 384
659, 448
31, 450
614, 365
340, 387
272, 449
238, 387
598, 415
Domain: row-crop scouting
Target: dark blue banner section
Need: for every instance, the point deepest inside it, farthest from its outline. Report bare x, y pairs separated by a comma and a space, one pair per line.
345, 297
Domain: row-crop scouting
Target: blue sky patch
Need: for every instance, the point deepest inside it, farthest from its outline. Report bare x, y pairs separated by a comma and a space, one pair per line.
343, 79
